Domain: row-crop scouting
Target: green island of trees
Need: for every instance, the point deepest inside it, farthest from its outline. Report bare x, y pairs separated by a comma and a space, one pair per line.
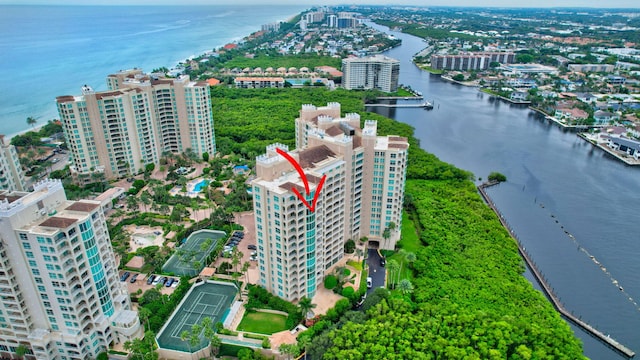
468, 297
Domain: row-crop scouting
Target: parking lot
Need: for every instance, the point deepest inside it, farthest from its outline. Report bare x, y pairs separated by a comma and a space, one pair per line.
245, 219
141, 283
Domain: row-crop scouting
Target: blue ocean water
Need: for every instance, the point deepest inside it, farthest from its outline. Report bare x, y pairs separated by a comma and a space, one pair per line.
48, 51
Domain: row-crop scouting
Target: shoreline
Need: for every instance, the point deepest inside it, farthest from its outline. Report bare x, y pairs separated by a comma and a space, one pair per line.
546, 288
630, 161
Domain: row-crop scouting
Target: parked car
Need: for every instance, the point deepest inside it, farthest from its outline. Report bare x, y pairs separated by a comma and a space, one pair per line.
124, 276
151, 279
175, 283
134, 278
162, 280
169, 282
252, 247
156, 281
383, 261
369, 282
238, 233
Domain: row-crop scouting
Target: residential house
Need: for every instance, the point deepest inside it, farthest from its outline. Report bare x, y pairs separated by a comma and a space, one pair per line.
573, 114
604, 117
631, 147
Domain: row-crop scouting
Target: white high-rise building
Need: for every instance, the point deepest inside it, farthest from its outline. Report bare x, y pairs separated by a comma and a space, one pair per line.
61, 295
119, 131
11, 174
361, 195
373, 72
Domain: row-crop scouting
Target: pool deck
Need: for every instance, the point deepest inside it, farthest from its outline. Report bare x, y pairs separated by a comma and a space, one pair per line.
144, 231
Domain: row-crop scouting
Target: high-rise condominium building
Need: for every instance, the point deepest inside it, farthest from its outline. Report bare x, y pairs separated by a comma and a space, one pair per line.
121, 130
11, 174
373, 72
61, 296
361, 195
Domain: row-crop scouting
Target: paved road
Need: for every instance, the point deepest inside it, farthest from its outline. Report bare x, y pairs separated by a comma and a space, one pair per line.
376, 271
61, 163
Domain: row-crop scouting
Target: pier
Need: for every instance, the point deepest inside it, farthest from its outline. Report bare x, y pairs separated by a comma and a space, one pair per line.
606, 339
425, 105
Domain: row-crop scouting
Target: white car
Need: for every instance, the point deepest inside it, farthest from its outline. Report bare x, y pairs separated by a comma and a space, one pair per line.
369, 282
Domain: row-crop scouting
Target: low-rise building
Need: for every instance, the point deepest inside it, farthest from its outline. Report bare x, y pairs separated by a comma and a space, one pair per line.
591, 67
259, 82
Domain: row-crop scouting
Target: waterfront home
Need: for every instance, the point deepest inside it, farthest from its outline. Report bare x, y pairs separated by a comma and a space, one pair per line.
573, 114
521, 83
631, 147
518, 96
603, 117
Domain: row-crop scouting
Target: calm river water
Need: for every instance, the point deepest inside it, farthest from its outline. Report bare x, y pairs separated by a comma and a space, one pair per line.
575, 209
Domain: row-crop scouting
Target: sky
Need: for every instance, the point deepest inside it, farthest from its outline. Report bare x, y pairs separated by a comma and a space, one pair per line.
484, 3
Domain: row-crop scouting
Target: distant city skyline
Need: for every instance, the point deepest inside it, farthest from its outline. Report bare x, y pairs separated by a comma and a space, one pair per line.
452, 3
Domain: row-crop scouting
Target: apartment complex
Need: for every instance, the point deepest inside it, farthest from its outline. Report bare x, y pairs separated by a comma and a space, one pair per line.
259, 82
119, 131
591, 67
11, 175
373, 72
362, 192
61, 296
471, 61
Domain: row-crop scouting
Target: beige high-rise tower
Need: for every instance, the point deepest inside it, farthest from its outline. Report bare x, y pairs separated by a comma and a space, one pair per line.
119, 131
362, 194
61, 295
11, 174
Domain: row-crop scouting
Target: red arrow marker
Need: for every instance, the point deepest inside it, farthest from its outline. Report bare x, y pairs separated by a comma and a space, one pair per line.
303, 177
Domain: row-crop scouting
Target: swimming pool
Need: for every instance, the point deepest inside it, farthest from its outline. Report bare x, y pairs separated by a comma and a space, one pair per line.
198, 187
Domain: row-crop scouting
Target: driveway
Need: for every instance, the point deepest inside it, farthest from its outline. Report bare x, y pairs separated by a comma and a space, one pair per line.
376, 271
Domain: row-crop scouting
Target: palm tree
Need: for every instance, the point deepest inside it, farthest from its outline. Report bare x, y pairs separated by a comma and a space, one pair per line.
408, 257
210, 334
393, 267
386, 234
145, 199
305, 306
405, 286
144, 314
31, 121
184, 336
132, 203
245, 267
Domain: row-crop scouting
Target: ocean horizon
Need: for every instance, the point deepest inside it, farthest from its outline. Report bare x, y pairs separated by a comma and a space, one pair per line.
49, 51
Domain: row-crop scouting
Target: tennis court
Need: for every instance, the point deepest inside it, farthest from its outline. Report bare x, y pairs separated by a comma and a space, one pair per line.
190, 258
207, 299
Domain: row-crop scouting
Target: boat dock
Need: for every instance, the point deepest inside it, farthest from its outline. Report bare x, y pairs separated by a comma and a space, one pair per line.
425, 105
606, 339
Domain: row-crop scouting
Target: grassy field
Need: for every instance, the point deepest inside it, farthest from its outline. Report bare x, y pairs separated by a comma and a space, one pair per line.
409, 242
262, 323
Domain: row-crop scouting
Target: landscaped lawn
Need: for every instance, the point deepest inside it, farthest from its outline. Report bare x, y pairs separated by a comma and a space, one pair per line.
262, 323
